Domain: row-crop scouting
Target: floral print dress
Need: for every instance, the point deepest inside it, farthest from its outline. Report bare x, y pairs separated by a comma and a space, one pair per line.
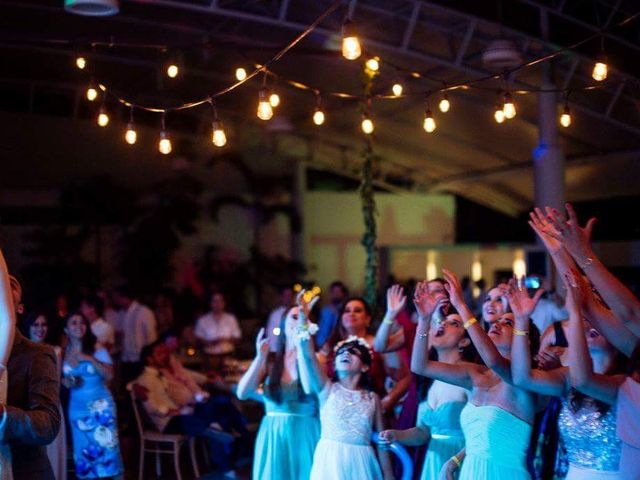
94, 428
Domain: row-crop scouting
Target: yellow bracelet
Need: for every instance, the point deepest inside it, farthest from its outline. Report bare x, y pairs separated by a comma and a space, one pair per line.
521, 333
456, 460
470, 322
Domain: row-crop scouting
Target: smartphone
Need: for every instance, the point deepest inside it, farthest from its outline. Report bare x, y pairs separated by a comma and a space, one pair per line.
532, 282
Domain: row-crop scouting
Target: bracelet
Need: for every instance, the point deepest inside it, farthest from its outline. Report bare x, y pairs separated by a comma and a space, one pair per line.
387, 321
456, 460
470, 322
587, 263
521, 333
422, 334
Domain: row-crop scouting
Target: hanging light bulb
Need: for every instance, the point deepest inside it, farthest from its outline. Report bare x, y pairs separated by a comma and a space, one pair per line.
218, 137
600, 69
351, 49
172, 70
265, 110
397, 89
498, 115
367, 124
373, 64
92, 93
131, 136
164, 145
274, 99
241, 74
565, 118
429, 124
81, 62
103, 117
444, 104
509, 108
318, 116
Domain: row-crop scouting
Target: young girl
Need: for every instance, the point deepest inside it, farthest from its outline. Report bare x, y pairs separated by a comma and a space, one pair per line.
349, 412
438, 420
497, 418
290, 429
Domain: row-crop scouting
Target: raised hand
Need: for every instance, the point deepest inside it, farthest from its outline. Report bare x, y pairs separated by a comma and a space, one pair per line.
576, 239
305, 301
454, 288
262, 344
545, 230
425, 303
521, 304
396, 300
386, 438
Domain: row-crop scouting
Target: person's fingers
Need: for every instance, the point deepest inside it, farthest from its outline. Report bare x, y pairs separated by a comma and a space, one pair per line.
538, 295
589, 226
261, 334
573, 218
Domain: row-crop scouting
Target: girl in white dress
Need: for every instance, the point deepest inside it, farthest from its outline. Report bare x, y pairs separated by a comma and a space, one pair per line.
349, 411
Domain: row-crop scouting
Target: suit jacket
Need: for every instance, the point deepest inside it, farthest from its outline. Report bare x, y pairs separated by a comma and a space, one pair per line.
33, 417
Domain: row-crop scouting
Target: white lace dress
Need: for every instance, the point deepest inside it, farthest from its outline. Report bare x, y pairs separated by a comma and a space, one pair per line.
344, 451
5, 451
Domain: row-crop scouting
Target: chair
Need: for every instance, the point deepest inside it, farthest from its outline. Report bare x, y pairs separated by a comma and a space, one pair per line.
161, 443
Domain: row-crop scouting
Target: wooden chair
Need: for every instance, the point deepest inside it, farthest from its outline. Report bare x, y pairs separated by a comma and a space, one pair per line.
159, 443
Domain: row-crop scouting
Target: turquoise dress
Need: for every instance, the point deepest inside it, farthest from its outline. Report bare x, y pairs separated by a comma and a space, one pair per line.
496, 444
92, 415
287, 437
446, 438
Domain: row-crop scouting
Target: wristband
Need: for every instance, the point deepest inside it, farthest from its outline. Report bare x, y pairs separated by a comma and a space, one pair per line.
422, 334
521, 333
386, 321
456, 460
470, 322
587, 263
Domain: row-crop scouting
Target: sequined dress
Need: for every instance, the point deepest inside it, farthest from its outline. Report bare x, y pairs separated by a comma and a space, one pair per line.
344, 451
590, 439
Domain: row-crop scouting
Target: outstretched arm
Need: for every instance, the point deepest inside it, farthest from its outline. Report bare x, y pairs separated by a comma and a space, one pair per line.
551, 382
600, 387
458, 374
486, 348
386, 339
577, 240
383, 455
257, 372
312, 376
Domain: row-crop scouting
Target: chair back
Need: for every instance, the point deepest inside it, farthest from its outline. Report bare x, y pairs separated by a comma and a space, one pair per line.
136, 412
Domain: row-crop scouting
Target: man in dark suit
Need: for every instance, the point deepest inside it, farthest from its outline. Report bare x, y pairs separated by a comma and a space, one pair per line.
30, 419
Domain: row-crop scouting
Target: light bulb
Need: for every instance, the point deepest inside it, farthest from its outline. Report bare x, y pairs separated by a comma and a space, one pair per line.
351, 49
131, 136
265, 110
92, 94
241, 74
429, 123
81, 62
444, 104
318, 116
565, 118
397, 89
498, 115
367, 125
172, 71
103, 117
373, 64
164, 145
600, 71
274, 99
218, 137
509, 107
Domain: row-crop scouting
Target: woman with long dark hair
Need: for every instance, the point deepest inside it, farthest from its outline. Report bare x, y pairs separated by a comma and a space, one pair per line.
290, 429
92, 411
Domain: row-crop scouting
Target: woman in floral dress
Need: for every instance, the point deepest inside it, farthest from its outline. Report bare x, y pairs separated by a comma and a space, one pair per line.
92, 412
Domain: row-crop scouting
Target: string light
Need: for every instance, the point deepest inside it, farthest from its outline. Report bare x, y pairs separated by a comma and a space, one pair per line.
373, 64
600, 69
367, 124
131, 135
103, 116
444, 104
351, 49
172, 70
81, 62
429, 124
274, 99
164, 144
265, 110
498, 115
241, 74
318, 114
397, 89
565, 118
218, 137
92, 93
508, 107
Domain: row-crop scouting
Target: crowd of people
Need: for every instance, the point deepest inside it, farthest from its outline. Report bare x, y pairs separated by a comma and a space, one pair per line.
514, 383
